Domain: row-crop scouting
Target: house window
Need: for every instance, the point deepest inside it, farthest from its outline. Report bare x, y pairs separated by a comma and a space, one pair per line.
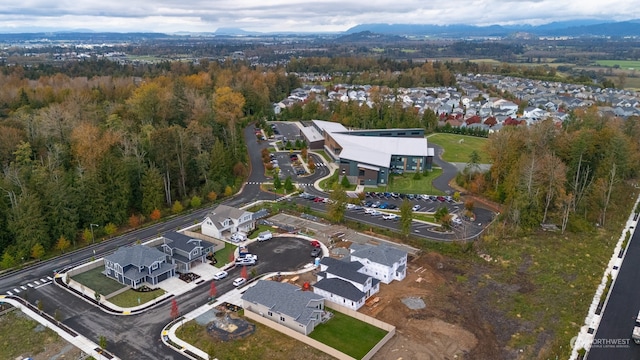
154, 266
281, 318
270, 313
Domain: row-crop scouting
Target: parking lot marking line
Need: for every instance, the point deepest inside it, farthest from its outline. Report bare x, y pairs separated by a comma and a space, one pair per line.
36, 282
23, 287
16, 290
37, 287
9, 293
30, 285
50, 278
43, 280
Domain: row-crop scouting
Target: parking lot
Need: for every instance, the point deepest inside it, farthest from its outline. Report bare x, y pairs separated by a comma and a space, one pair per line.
288, 131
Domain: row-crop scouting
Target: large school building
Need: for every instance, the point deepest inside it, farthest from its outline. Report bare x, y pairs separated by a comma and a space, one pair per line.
369, 156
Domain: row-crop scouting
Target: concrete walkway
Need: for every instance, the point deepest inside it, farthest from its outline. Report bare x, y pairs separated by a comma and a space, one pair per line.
79, 341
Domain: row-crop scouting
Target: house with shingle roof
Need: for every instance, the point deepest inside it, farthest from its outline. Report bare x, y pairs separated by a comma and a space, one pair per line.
343, 282
137, 265
285, 304
185, 250
383, 262
226, 220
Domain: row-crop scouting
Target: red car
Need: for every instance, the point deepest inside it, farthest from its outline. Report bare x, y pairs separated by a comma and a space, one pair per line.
315, 243
318, 199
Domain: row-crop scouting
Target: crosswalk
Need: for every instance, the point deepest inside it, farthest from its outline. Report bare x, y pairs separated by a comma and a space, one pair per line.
261, 183
33, 284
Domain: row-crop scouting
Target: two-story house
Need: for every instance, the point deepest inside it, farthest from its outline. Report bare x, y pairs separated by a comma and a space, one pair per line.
184, 250
385, 263
285, 304
224, 221
343, 282
136, 265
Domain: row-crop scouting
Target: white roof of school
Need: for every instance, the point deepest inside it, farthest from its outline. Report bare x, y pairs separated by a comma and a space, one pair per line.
377, 150
329, 126
311, 133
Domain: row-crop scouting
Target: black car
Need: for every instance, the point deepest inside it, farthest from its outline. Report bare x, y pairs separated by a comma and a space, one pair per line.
316, 252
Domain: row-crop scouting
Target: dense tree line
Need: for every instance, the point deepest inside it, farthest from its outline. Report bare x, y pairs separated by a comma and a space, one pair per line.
573, 175
114, 150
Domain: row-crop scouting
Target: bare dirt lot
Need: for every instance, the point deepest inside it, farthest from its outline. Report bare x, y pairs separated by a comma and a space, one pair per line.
448, 327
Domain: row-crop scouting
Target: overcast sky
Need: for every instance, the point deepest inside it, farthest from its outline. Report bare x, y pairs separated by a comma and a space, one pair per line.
293, 15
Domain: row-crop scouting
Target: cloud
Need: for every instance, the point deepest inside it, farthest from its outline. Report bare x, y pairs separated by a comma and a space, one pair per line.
296, 15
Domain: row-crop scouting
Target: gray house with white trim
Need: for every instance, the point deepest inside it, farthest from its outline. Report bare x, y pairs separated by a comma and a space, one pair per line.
184, 250
344, 283
138, 264
285, 304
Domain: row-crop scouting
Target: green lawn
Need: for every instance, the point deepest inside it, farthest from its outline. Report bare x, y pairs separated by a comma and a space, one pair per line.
131, 298
95, 280
406, 184
458, 148
349, 335
223, 255
425, 217
624, 64
264, 343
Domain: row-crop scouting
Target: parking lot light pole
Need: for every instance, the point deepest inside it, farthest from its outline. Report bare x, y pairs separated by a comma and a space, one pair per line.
93, 239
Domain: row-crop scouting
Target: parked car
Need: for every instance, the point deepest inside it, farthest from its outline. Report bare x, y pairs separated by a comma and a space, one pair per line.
315, 243
316, 252
384, 206
265, 235
390, 217
416, 207
368, 210
220, 275
239, 282
375, 213
245, 261
441, 198
392, 206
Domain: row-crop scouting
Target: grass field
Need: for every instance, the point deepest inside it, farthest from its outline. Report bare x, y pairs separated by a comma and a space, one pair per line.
20, 337
624, 64
406, 184
95, 280
131, 298
349, 335
223, 255
458, 148
264, 343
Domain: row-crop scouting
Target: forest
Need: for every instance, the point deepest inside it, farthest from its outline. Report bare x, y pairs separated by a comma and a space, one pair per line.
119, 147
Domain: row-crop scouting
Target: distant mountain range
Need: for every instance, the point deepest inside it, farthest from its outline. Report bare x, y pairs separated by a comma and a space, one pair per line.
564, 28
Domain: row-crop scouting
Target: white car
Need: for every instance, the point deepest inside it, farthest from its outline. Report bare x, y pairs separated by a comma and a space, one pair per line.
245, 261
416, 207
220, 275
239, 282
390, 217
375, 213
265, 235
350, 206
368, 210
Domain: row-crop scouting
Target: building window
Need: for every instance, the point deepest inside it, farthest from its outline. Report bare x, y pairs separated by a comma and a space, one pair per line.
270, 313
361, 172
281, 318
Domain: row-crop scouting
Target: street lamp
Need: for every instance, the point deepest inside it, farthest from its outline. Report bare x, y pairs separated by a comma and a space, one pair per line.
93, 239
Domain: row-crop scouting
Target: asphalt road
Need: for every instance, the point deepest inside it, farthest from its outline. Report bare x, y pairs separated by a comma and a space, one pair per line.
613, 338
137, 336
449, 171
